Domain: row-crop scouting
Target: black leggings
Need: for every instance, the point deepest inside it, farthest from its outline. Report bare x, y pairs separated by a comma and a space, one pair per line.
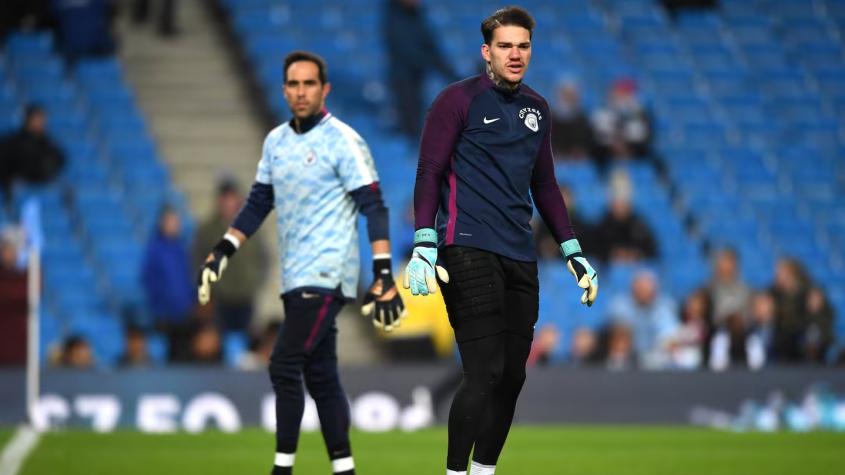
307, 345
483, 408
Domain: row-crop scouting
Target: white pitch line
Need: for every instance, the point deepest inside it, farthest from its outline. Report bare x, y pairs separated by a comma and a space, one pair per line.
13, 456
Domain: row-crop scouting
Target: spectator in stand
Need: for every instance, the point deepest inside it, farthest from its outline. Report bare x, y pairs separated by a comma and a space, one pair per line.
23, 15
762, 328
803, 317
688, 346
14, 303
544, 346
728, 293
728, 345
619, 353
622, 235
234, 298
623, 126
29, 154
547, 247
261, 347
84, 27
651, 317
819, 335
166, 15
167, 279
136, 354
572, 132
584, 349
206, 347
76, 353
411, 61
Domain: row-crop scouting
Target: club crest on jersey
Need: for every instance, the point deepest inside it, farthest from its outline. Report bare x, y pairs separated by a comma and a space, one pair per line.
532, 118
310, 158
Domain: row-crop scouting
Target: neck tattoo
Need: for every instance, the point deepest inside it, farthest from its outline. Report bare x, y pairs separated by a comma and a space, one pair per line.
499, 81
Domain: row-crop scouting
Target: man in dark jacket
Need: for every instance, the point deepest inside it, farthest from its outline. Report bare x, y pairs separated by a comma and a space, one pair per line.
235, 296
572, 132
413, 54
622, 235
29, 154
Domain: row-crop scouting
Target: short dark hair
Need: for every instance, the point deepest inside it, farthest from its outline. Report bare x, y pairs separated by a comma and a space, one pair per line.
512, 15
296, 56
32, 109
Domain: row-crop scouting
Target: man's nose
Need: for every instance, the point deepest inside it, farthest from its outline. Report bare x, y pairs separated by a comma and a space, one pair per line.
513, 53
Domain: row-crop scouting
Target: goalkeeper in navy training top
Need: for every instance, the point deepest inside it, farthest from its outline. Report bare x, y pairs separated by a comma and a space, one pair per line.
317, 173
485, 153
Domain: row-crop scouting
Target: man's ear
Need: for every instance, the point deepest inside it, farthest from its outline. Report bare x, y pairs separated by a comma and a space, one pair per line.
485, 52
327, 87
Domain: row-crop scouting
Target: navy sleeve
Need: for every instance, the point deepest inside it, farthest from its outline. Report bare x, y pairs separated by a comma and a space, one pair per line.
258, 205
370, 203
443, 125
546, 193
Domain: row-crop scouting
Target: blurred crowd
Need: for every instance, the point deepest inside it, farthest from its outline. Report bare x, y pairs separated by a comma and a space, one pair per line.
175, 327
621, 129
723, 324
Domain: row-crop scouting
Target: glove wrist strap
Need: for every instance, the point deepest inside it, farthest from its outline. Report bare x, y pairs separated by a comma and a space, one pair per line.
570, 248
224, 248
382, 267
425, 236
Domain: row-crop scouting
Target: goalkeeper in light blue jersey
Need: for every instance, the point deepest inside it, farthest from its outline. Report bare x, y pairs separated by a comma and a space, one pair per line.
318, 174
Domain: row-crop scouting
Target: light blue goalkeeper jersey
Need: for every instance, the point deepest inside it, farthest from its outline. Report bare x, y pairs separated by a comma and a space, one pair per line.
312, 174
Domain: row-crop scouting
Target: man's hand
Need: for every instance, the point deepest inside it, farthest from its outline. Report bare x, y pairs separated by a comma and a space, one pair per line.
215, 264
584, 273
420, 272
382, 302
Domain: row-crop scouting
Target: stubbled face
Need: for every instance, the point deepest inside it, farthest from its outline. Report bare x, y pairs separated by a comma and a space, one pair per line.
305, 94
508, 53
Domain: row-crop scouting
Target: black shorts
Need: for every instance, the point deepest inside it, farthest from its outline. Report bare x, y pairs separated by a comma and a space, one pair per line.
488, 293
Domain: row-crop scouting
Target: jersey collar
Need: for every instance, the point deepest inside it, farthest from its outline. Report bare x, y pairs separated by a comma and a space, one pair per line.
308, 123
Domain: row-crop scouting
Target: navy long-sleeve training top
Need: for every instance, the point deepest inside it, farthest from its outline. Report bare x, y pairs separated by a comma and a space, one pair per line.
485, 151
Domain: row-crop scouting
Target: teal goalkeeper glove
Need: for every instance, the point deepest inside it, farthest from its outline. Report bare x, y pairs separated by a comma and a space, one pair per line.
584, 273
420, 272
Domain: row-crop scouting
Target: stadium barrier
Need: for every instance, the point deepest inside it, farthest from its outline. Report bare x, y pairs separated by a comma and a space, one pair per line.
413, 397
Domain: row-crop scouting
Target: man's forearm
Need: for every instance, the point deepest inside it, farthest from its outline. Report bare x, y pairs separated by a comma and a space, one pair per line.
258, 205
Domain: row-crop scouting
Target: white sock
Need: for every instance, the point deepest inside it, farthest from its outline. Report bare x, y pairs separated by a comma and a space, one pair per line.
284, 460
453, 472
342, 465
481, 469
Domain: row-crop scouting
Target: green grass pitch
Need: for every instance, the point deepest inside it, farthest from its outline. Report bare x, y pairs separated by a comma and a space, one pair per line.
530, 450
